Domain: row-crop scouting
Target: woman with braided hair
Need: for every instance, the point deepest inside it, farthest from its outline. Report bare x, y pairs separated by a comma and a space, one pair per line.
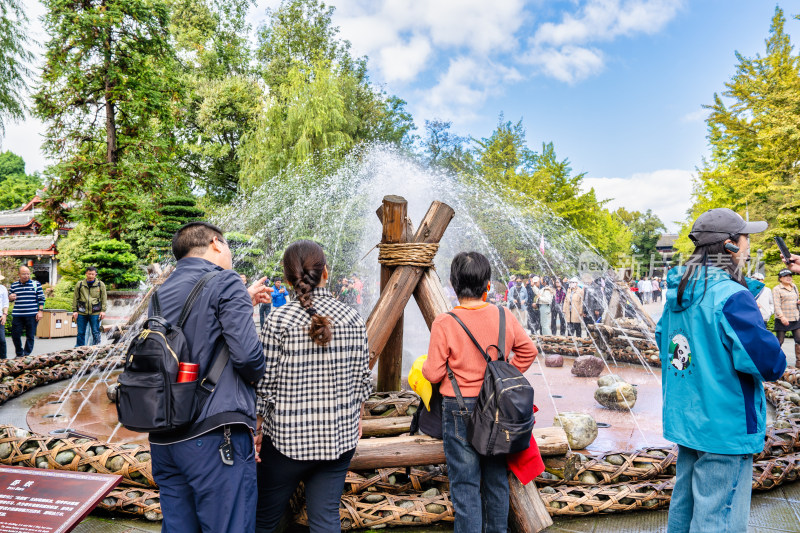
311, 396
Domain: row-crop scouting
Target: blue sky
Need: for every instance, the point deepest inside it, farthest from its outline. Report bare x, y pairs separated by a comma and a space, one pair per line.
617, 85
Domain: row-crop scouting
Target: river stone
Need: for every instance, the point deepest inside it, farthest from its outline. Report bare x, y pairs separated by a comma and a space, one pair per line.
555, 360
587, 366
581, 429
111, 392
610, 379
619, 396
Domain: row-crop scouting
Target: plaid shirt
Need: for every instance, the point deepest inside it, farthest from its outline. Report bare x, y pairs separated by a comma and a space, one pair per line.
786, 303
311, 396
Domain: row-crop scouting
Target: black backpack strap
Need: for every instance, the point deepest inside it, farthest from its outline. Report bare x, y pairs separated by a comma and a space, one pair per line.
198, 288
501, 340
474, 341
156, 304
457, 390
210, 381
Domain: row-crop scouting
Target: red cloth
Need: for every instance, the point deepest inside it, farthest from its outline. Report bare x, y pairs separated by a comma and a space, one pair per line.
527, 464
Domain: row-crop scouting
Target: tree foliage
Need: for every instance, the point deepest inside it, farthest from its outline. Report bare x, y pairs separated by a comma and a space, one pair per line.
106, 95
116, 265
320, 101
14, 58
754, 140
16, 187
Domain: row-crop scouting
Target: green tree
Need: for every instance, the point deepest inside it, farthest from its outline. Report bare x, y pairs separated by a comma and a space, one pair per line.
754, 140
222, 100
442, 148
115, 263
646, 228
16, 187
321, 103
174, 213
14, 58
106, 94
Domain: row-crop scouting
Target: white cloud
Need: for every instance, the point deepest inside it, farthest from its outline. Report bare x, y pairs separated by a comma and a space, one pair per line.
667, 192
569, 64
603, 20
695, 116
404, 61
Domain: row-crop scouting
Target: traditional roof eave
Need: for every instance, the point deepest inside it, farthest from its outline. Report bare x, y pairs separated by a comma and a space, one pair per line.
26, 253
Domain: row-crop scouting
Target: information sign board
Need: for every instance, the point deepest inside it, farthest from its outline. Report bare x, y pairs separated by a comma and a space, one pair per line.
34, 500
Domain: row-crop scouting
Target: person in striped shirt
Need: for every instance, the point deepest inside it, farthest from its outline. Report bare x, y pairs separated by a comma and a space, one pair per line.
28, 299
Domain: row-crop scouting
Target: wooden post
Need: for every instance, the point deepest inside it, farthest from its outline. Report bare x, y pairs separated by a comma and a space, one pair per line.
390, 366
429, 294
403, 282
527, 512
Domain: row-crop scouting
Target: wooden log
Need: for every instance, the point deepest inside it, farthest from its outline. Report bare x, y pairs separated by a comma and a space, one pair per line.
145, 303
418, 450
394, 219
386, 452
429, 294
527, 512
387, 426
403, 282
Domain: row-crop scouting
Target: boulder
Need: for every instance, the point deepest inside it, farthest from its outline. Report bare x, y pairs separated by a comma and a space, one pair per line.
619, 396
581, 429
556, 360
610, 379
587, 366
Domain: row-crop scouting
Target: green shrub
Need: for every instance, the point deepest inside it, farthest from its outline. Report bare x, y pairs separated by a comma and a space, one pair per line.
116, 265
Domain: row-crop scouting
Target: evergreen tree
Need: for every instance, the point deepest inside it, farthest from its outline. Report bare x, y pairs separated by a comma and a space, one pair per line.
14, 58
106, 94
754, 138
174, 213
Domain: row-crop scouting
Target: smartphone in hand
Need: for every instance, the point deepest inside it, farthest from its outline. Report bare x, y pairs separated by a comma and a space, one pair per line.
785, 253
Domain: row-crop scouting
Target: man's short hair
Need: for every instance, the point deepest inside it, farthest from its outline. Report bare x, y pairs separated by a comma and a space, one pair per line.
90, 268
194, 238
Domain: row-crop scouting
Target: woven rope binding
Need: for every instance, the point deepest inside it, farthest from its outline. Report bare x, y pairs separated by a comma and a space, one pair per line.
407, 254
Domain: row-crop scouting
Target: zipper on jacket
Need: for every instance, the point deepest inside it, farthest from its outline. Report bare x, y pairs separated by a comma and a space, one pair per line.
508, 435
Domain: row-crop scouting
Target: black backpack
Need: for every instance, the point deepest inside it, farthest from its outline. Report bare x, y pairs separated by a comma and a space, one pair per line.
502, 421
149, 399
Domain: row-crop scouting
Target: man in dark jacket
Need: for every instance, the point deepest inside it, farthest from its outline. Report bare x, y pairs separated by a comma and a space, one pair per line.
200, 489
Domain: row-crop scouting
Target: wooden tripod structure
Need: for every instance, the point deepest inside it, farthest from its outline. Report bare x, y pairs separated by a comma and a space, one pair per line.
385, 334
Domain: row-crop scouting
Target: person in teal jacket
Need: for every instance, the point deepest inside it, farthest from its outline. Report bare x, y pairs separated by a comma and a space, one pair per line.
715, 354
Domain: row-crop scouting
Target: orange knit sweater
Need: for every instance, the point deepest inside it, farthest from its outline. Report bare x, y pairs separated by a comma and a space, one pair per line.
450, 343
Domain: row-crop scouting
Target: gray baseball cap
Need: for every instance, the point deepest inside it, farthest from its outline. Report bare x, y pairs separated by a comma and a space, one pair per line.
716, 225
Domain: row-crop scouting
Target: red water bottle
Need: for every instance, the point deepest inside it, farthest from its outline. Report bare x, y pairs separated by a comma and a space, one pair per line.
187, 372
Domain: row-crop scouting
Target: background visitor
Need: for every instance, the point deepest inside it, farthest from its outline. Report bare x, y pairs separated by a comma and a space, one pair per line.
89, 302
4, 304
764, 299
518, 301
787, 315
28, 299
573, 308
546, 298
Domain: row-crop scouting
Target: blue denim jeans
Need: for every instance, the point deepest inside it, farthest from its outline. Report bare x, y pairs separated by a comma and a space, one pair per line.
94, 324
263, 312
478, 484
712, 492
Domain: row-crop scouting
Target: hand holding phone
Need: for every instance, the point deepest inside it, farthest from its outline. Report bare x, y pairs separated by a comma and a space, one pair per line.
785, 253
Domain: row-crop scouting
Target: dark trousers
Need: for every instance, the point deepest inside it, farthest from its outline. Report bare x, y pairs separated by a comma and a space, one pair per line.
200, 494
18, 324
3, 348
93, 321
574, 329
556, 317
534, 320
263, 312
278, 477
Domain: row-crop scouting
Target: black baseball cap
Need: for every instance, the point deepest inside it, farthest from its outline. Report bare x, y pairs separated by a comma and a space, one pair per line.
785, 272
716, 225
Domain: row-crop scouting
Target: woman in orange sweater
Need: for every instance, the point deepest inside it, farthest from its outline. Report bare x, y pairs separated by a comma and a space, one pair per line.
478, 484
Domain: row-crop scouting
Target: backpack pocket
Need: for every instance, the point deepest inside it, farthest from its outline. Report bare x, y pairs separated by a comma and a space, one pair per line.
513, 438
184, 403
141, 402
